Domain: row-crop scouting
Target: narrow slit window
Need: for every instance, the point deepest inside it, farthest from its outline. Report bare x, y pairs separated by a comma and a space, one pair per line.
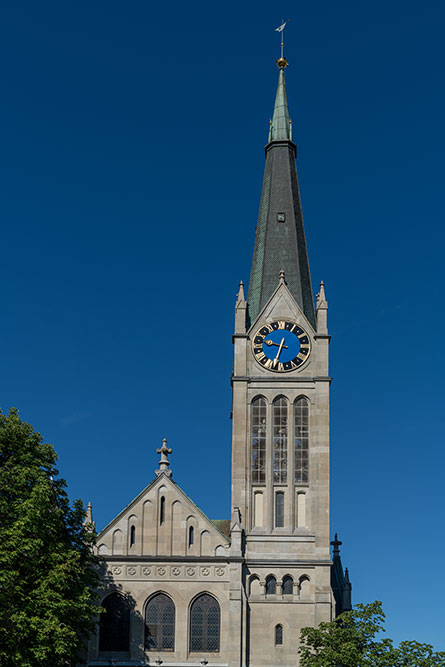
279, 509
162, 511
301, 510
132, 535
258, 440
191, 536
301, 423
280, 441
278, 635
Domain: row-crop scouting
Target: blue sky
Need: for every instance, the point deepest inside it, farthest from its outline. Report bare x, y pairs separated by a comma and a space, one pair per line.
132, 157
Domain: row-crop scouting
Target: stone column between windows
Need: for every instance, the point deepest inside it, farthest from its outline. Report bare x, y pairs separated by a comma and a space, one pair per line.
269, 490
290, 468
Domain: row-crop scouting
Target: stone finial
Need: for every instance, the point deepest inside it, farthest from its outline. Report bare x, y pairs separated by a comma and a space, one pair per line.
236, 517
282, 277
89, 516
240, 300
321, 298
336, 544
347, 593
164, 451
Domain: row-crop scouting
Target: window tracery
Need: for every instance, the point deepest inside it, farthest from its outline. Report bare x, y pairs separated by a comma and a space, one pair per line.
258, 440
271, 585
279, 434
287, 585
204, 624
160, 623
301, 425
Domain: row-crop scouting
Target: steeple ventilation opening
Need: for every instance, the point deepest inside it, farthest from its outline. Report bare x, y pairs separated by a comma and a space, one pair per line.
162, 511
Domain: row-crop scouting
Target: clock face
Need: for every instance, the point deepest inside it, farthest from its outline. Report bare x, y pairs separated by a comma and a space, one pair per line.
281, 346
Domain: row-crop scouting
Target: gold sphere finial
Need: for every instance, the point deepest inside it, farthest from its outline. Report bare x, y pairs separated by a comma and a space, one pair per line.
282, 62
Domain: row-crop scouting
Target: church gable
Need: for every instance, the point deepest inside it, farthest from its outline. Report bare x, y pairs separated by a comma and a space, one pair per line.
282, 305
162, 521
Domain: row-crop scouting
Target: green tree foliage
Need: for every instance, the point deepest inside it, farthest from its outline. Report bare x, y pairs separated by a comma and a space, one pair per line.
48, 573
353, 640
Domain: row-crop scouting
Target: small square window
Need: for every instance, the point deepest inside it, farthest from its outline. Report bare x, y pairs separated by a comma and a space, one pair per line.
281, 217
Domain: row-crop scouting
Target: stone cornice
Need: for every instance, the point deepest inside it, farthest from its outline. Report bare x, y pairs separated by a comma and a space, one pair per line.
122, 558
287, 380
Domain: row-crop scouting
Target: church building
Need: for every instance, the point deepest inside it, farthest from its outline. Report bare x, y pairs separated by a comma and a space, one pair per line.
182, 589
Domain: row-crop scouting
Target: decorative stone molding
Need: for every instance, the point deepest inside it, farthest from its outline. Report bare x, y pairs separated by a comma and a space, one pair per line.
146, 571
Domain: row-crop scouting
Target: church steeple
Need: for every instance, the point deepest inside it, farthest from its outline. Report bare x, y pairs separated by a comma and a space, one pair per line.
280, 243
280, 128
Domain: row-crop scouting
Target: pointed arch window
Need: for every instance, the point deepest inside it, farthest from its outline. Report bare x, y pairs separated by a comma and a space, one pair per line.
301, 424
160, 623
132, 535
271, 585
205, 617
258, 440
279, 427
278, 635
288, 585
114, 624
191, 535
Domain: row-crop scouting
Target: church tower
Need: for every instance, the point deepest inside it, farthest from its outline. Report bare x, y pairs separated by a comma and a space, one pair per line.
280, 446
180, 588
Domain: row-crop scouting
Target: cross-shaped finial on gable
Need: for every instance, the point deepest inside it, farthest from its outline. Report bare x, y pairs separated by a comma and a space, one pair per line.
164, 451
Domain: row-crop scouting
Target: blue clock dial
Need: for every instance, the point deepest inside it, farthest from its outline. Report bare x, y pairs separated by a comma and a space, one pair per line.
281, 346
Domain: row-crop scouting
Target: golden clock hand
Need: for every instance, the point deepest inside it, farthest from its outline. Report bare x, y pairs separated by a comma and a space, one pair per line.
275, 361
270, 342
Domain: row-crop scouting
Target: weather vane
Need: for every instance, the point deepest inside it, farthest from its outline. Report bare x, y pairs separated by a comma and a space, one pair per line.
282, 62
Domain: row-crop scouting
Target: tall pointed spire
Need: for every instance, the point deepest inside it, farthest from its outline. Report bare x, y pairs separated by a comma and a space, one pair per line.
281, 125
280, 242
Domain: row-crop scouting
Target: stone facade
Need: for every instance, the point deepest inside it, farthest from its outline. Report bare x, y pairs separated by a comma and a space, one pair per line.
267, 572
